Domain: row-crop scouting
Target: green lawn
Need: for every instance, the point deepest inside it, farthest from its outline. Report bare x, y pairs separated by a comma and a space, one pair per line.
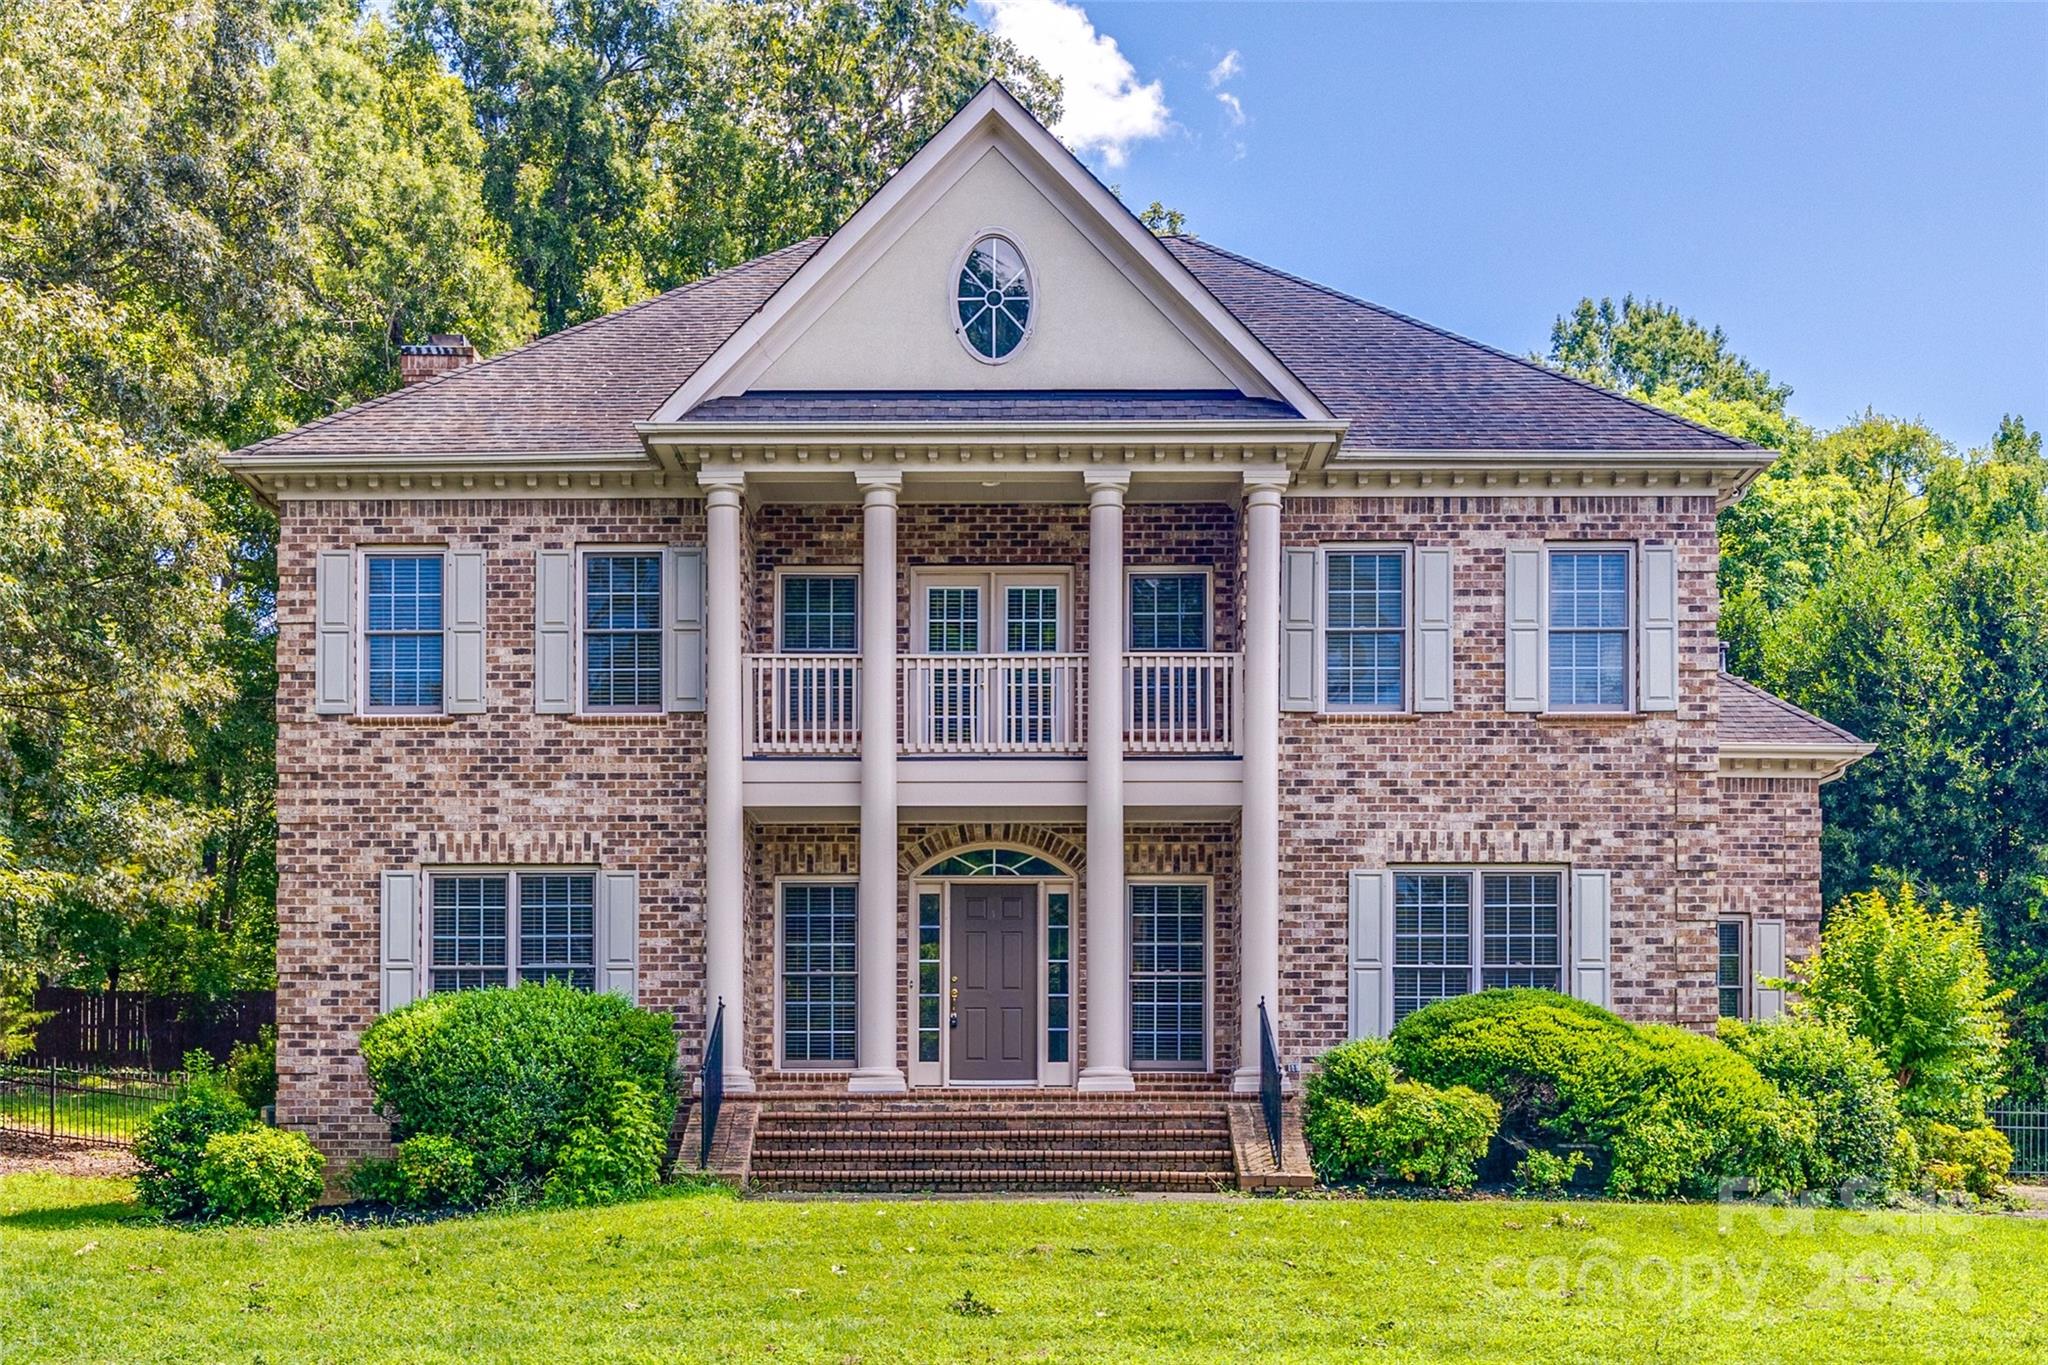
710, 1277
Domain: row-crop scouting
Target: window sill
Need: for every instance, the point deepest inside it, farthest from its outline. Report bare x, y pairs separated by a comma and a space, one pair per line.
1371, 717
615, 717
400, 720
1593, 717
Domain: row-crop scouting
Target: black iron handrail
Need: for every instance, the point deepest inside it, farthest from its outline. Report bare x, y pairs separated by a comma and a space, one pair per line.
1269, 1081
711, 1086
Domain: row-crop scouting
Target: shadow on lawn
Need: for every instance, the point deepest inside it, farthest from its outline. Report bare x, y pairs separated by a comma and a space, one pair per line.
70, 1217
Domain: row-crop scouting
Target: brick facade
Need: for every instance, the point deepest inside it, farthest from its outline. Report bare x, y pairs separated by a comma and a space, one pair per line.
1637, 796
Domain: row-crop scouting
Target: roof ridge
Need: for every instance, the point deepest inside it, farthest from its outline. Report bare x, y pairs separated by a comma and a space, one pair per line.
587, 324
1462, 340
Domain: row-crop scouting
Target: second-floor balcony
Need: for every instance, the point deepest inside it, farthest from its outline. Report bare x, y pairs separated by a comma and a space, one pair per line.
993, 705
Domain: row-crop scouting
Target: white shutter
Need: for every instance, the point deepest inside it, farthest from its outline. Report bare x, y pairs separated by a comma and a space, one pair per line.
1372, 934
334, 646
1767, 948
465, 674
619, 909
1298, 653
1657, 630
1432, 630
683, 662
554, 608
1525, 628
399, 939
1592, 937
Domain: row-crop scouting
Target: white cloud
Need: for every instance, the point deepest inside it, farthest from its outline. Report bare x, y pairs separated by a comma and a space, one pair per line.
1225, 69
1104, 106
1231, 108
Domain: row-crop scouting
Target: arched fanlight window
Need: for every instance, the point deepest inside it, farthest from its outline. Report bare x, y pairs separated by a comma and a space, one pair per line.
993, 862
993, 298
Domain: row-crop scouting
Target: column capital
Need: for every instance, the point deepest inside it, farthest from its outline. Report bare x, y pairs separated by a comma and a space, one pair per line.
1106, 487
722, 487
878, 485
1264, 486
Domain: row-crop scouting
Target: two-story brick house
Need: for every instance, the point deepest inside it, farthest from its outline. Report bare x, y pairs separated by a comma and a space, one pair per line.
992, 649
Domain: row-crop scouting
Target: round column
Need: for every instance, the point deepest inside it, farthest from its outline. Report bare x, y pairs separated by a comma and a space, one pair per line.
1107, 941
724, 821
877, 1005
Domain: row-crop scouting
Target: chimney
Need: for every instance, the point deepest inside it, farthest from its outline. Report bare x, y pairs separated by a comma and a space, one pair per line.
442, 352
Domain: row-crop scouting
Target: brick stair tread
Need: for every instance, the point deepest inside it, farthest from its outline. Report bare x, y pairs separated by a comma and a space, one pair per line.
997, 1179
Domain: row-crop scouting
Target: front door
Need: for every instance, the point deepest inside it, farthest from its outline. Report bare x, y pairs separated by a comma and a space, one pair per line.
993, 1005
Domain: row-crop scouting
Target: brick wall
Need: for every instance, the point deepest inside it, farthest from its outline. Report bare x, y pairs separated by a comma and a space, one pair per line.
1632, 795
1770, 855
358, 797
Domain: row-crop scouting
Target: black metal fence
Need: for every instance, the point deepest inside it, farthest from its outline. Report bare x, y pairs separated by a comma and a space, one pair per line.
2026, 1127
135, 1030
87, 1106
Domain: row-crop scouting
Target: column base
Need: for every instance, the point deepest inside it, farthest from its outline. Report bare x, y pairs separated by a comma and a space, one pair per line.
1106, 1080
738, 1081
1245, 1081
881, 1080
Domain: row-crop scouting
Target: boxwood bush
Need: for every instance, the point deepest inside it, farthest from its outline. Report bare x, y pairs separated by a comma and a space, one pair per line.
1675, 1112
1845, 1081
428, 1171
172, 1141
1362, 1121
511, 1074
259, 1175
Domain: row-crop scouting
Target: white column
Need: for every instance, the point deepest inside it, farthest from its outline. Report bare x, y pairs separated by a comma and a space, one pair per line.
1259, 898
725, 911
1107, 942
877, 1005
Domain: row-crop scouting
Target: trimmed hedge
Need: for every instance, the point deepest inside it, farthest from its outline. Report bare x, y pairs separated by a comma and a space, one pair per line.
1844, 1080
1362, 1121
511, 1075
1676, 1113
173, 1140
259, 1175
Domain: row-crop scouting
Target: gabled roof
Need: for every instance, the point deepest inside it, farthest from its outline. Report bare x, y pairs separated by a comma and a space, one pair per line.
1405, 385
1752, 716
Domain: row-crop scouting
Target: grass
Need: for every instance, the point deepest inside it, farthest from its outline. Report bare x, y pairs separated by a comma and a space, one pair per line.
710, 1277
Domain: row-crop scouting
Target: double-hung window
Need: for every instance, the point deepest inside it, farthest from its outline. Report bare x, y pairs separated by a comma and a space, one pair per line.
1589, 615
1731, 964
1365, 630
1457, 931
402, 632
819, 613
818, 982
622, 631
503, 928
1169, 974
1169, 612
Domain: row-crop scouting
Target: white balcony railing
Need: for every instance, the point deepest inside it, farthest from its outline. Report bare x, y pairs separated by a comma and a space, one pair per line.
1181, 703
994, 704
803, 703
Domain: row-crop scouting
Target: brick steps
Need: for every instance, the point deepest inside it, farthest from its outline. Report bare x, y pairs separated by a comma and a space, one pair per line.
986, 1143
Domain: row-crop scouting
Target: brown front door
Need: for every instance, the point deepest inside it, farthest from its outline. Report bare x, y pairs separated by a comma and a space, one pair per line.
994, 1006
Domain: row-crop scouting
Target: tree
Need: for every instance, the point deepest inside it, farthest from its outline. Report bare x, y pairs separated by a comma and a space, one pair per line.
1648, 347
1916, 985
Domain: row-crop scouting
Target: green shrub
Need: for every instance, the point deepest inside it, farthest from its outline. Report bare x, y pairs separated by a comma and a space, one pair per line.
1350, 1074
1844, 1081
1415, 1133
252, 1070
1976, 1160
614, 1155
510, 1074
428, 1171
172, 1141
1915, 982
1675, 1112
259, 1175
1542, 1172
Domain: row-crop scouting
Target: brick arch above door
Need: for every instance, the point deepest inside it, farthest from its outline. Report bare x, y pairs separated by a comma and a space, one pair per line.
931, 844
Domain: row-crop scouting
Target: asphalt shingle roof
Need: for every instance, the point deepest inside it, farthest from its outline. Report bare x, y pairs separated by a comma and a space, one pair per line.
1750, 715
1401, 384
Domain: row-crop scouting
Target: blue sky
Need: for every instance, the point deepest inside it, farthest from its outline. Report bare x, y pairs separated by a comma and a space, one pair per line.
1857, 194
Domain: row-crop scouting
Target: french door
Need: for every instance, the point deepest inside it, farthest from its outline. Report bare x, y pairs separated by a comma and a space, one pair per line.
1001, 699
